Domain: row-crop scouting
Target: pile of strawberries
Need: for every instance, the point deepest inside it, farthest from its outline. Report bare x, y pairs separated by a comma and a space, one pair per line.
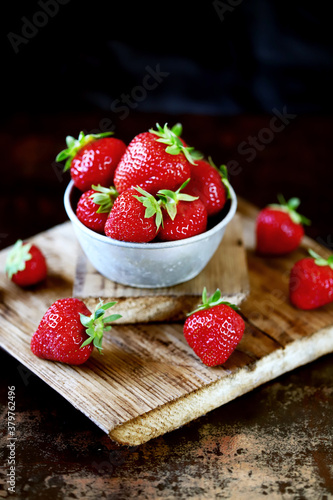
155, 189
158, 188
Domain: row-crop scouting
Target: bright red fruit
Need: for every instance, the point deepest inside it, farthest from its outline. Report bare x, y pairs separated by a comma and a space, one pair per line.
155, 160
68, 331
210, 184
94, 207
214, 329
279, 228
311, 282
183, 215
26, 264
134, 218
92, 159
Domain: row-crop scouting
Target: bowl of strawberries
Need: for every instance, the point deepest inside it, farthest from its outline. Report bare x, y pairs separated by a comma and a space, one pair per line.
149, 214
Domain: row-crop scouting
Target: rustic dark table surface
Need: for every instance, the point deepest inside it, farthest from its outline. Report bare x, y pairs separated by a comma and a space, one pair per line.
274, 442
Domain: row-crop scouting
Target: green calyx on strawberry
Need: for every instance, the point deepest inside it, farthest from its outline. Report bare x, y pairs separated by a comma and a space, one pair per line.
104, 197
152, 206
223, 171
17, 258
175, 145
168, 199
320, 261
214, 300
96, 324
290, 207
74, 145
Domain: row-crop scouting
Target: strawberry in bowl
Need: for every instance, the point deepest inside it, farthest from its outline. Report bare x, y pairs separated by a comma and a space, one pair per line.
156, 234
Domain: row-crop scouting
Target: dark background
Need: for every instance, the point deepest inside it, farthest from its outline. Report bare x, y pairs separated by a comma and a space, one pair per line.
226, 68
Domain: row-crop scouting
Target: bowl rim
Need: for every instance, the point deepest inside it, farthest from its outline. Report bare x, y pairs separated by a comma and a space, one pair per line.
150, 245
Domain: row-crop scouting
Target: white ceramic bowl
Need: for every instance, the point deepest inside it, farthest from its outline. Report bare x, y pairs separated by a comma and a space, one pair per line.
149, 265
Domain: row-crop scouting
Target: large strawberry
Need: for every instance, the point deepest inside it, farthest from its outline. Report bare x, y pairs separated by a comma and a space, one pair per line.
279, 227
155, 160
210, 184
26, 264
134, 218
94, 207
68, 331
92, 159
214, 329
183, 215
311, 282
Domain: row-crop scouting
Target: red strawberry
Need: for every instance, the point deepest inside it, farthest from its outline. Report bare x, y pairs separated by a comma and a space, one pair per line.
26, 264
94, 207
183, 215
92, 159
134, 218
155, 160
279, 228
210, 184
214, 329
311, 282
68, 331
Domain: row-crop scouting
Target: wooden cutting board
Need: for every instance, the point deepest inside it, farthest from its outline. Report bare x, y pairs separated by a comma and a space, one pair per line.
148, 381
227, 270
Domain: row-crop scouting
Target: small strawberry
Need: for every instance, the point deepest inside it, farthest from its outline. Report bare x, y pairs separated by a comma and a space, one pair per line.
134, 218
279, 228
92, 159
68, 331
155, 160
210, 184
311, 282
94, 207
26, 264
214, 329
183, 215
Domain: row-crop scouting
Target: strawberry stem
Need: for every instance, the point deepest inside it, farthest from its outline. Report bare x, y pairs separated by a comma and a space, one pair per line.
17, 257
290, 207
104, 197
96, 324
152, 206
74, 145
320, 261
213, 300
169, 199
170, 137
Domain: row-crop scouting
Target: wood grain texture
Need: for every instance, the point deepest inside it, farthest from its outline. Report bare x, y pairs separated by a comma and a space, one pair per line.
227, 270
149, 381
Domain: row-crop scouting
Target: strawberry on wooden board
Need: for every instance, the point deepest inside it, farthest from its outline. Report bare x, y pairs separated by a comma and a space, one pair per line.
68, 331
210, 184
26, 264
92, 159
155, 160
94, 207
311, 282
279, 227
184, 215
134, 218
214, 329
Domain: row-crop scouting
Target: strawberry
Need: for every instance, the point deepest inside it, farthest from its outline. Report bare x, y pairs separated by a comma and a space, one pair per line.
155, 160
183, 215
311, 282
92, 159
94, 207
279, 228
210, 184
134, 218
68, 331
214, 329
26, 264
